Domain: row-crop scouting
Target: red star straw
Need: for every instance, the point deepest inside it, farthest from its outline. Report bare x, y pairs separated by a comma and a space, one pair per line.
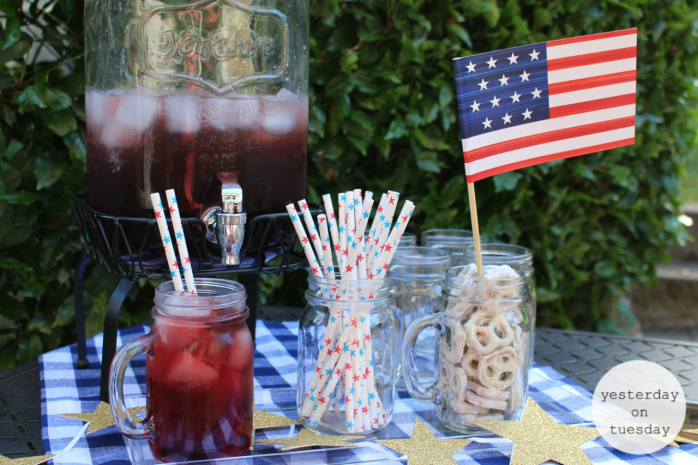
166, 241
181, 242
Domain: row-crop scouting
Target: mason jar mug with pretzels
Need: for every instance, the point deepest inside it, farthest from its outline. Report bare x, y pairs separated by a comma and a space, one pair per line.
482, 351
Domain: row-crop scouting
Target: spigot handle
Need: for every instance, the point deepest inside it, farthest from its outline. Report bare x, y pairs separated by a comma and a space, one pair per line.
231, 192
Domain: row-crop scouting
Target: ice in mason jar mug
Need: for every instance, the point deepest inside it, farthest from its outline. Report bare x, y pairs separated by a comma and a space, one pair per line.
482, 350
199, 380
180, 94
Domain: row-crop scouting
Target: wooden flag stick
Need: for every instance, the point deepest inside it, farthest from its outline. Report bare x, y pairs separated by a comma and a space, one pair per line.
476, 227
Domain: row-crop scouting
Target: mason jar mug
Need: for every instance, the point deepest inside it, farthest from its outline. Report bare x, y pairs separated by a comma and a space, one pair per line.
482, 351
199, 380
347, 356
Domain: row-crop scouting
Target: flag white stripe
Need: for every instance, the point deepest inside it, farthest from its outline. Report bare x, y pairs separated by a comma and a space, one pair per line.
591, 46
595, 93
598, 69
540, 127
536, 151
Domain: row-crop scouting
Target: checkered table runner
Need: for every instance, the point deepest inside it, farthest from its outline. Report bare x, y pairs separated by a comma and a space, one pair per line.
66, 389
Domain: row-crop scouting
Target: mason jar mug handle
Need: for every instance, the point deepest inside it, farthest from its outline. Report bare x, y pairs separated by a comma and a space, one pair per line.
123, 357
422, 393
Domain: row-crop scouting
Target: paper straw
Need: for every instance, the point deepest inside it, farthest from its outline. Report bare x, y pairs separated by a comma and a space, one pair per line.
365, 408
326, 246
376, 229
358, 215
166, 241
314, 236
334, 231
387, 219
367, 195
343, 232
381, 267
349, 391
351, 231
181, 242
304, 240
356, 378
355, 246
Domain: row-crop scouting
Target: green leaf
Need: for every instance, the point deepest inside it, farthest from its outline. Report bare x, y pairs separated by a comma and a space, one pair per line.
44, 97
49, 168
65, 315
506, 181
16, 50
12, 149
21, 198
12, 32
76, 144
13, 309
605, 269
396, 130
460, 32
61, 122
10, 7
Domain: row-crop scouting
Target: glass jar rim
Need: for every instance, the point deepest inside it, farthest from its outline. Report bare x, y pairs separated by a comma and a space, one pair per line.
431, 261
212, 294
379, 287
502, 283
500, 253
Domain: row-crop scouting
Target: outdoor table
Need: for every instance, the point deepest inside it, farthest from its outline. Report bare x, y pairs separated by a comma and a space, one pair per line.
582, 357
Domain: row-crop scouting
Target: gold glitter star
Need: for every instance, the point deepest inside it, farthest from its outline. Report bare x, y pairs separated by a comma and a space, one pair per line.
25, 460
264, 419
102, 417
306, 438
683, 439
425, 448
538, 438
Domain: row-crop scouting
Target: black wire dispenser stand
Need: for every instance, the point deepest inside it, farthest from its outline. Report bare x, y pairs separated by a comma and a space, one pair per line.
130, 248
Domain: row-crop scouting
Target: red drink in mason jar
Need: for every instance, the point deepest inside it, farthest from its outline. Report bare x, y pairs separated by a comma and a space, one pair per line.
199, 379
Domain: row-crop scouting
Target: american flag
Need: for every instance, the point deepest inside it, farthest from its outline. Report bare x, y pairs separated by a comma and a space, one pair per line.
537, 103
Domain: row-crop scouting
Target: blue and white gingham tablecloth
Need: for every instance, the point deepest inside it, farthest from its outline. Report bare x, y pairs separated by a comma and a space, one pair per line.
66, 389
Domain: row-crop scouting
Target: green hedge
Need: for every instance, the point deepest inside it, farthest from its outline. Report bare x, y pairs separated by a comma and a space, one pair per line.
383, 115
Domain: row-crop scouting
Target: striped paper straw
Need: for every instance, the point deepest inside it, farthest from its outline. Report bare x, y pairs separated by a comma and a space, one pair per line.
166, 241
181, 242
326, 246
381, 267
314, 236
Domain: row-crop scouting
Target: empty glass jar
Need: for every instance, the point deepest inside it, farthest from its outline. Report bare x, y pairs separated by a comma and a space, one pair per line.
347, 356
417, 275
455, 241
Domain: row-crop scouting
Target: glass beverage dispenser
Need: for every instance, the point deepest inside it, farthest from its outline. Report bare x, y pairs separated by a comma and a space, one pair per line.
205, 97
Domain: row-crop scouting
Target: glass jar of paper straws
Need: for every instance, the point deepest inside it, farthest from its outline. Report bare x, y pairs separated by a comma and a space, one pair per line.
348, 334
347, 356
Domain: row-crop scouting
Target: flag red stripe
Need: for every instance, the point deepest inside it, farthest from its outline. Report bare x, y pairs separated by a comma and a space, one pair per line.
547, 137
592, 58
589, 83
604, 35
600, 104
547, 158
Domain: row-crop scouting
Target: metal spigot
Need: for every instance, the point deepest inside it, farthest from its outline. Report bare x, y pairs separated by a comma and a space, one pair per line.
226, 224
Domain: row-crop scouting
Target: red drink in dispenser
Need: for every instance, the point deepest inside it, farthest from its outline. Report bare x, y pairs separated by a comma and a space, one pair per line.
199, 374
178, 93
139, 143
